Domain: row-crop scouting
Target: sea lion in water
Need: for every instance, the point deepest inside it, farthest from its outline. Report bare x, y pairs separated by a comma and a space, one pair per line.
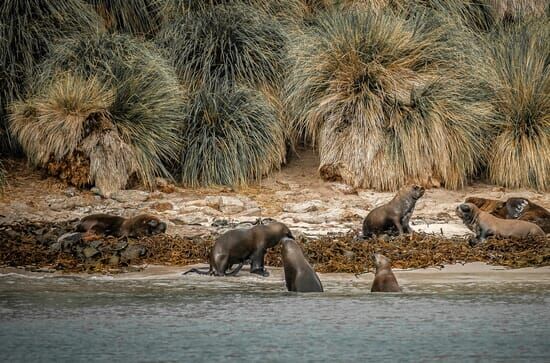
515, 208
395, 215
239, 245
110, 225
299, 275
384, 279
484, 224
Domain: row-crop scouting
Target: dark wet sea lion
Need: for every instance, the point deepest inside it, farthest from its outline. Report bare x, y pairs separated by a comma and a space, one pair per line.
485, 225
299, 275
239, 245
525, 210
493, 206
395, 215
384, 279
111, 225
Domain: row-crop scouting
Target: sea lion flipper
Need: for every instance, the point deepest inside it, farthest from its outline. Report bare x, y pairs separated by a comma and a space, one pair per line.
235, 271
516, 206
198, 271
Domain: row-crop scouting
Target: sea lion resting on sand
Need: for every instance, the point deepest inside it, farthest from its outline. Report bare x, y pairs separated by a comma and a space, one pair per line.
395, 215
515, 208
299, 275
384, 279
110, 225
484, 224
239, 245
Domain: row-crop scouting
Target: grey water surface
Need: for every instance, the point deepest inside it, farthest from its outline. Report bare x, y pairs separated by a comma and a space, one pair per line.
206, 319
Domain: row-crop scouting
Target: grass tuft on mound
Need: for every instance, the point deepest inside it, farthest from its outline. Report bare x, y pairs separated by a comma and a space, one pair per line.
226, 43
27, 29
519, 155
232, 136
106, 109
388, 101
141, 18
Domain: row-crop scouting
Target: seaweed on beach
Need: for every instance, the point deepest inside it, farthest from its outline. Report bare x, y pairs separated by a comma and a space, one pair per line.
32, 244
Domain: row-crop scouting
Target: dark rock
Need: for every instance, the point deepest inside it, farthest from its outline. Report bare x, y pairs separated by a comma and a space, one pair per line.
132, 253
68, 240
89, 252
70, 192
220, 223
114, 260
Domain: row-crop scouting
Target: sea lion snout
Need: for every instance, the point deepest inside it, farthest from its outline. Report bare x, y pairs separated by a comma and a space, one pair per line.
418, 191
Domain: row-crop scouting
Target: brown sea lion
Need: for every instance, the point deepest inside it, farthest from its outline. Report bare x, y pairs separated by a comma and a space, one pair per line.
525, 210
395, 215
493, 206
515, 208
111, 225
299, 275
484, 224
239, 245
384, 279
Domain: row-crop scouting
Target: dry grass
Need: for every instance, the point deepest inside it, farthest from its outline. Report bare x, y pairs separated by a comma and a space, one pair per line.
27, 30
141, 18
389, 101
108, 104
519, 155
226, 43
232, 136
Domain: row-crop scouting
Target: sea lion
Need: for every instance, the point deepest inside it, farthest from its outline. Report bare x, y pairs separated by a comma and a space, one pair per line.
515, 208
484, 224
299, 275
395, 215
239, 245
493, 206
111, 225
525, 210
384, 279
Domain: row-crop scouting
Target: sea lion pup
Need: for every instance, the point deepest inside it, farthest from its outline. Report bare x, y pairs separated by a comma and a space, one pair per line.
239, 245
525, 210
299, 275
484, 224
384, 279
110, 225
493, 206
395, 215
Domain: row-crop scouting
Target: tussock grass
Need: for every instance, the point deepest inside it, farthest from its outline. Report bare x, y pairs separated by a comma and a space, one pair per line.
27, 29
137, 17
232, 136
226, 43
388, 101
108, 103
519, 155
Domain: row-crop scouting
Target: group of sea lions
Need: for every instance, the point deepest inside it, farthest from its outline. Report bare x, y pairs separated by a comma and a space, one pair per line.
516, 217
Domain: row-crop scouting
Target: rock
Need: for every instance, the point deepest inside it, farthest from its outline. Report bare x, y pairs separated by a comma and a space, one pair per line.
350, 255
251, 212
47, 238
199, 203
89, 252
343, 188
196, 218
165, 186
130, 196
213, 201
70, 192
162, 206
96, 191
114, 260
55, 247
220, 223
231, 205
309, 206
204, 210
68, 240
132, 253
498, 189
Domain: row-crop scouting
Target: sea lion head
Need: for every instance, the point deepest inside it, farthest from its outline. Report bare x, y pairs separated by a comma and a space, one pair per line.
146, 225
415, 191
279, 230
493, 206
467, 211
381, 261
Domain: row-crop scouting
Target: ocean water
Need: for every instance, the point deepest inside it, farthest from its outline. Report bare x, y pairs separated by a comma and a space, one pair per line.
208, 319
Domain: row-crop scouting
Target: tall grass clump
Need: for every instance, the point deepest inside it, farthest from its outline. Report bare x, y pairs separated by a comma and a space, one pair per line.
226, 43
141, 18
27, 29
232, 136
519, 57
388, 100
107, 109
